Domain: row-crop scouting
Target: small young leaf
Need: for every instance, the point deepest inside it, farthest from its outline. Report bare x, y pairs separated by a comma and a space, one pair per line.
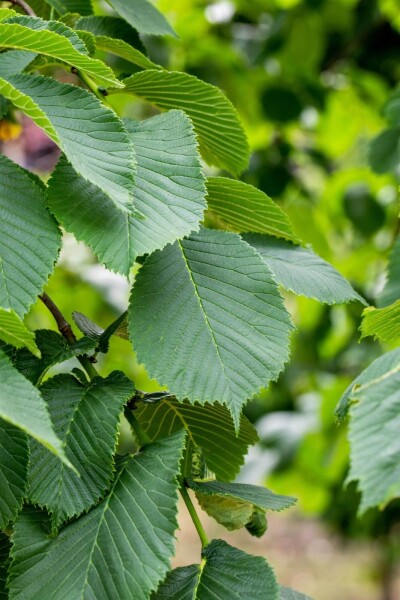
169, 192
27, 411
227, 574
226, 334
143, 16
91, 135
244, 208
209, 427
13, 472
14, 332
24, 225
86, 419
221, 136
382, 323
119, 549
302, 271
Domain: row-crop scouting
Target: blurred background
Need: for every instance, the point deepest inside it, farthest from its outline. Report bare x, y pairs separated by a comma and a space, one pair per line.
310, 80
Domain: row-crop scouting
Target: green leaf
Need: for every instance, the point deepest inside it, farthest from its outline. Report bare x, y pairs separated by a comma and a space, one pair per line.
27, 411
14, 61
288, 594
93, 557
125, 51
234, 505
244, 208
24, 226
83, 7
111, 27
227, 574
381, 367
54, 349
14, 332
20, 35
221, 136
37, 24
6, 13
225, 335
374, 440
391, 291
143, 16
302, 271
382, 323
13, 472
384, 151
90, 134
86, 419
169, 192
209, 427
5, 546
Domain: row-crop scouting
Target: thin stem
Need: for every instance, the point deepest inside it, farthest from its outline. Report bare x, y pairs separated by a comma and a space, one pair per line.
91, 85
66, 330
140, 433
195, 517
24, 6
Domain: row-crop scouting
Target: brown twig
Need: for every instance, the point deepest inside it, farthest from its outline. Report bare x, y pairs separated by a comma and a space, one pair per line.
24, 6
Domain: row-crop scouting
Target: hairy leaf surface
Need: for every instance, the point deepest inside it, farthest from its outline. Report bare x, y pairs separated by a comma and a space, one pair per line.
221, 137
302, 271
13, 331
29, 238
119, 549
13, 472
169, 192
91, 135
244, 208
207, 320
209, 427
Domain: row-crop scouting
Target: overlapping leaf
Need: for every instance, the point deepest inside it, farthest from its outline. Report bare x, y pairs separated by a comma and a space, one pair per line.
5, 546
244, 208
14, 332
14, 61
91, 135
169, 193
207, 320
27, 410
120, 549
302, 271
86, 419
143, 16
382, 323
374, 440
221, 137
29, 238
209, 427
391, 291
41, 37
83, 7
13, 472
227, 574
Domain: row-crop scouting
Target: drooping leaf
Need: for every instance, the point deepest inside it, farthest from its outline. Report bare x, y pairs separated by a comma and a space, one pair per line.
29, 238
14, 61
257, 525
21, 34
13, 472
391, 291
381, 367
143, 16
374, 440
230, 513
225, 335
22, 405
227, 574
289, 594
209, 427
13, 331
382, 323
302, 271
169, 192
86, 419
119, 549
221, 136
54, 349
91, 135
5, 546
244, 208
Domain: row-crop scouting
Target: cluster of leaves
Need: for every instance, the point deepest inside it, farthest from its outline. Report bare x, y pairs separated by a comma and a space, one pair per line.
205, 317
